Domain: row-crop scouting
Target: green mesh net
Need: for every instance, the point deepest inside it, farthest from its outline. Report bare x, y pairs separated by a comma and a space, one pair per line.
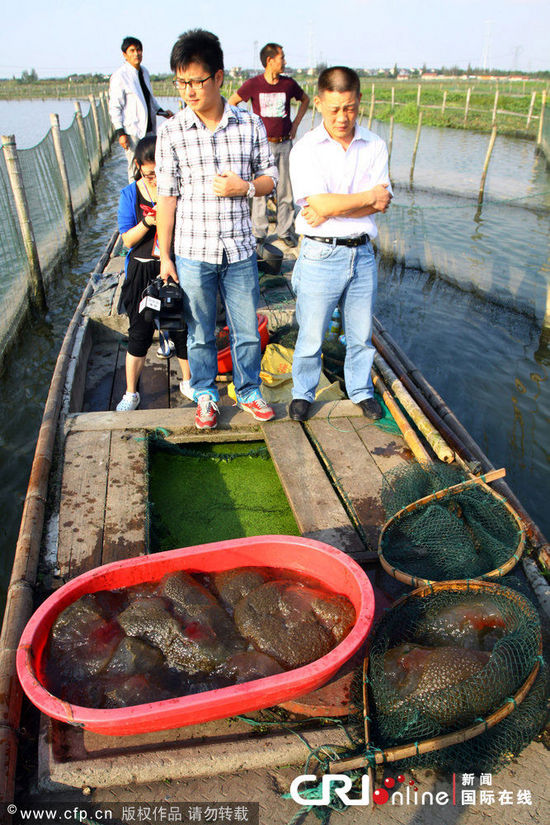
441, 660
462, 535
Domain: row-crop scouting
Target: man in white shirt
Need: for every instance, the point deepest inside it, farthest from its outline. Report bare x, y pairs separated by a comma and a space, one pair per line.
339, 174
132, 106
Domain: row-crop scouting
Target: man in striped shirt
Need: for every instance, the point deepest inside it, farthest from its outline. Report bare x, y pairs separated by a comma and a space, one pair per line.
210, 158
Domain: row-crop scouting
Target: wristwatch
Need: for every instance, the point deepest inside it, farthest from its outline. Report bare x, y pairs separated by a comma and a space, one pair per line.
251, 190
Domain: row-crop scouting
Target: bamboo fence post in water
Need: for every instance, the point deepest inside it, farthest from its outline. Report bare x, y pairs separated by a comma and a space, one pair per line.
467, 106
93, 114
416, 142
495, 105
371, 110
69, 213
36, 284
82, 133
486, 164
541, 121
390, 141
531, 106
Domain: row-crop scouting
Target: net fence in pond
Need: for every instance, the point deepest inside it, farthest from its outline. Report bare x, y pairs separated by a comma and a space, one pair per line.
41, 182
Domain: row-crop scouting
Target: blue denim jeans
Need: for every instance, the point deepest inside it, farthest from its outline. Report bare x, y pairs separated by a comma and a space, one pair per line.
240, 291
326, 275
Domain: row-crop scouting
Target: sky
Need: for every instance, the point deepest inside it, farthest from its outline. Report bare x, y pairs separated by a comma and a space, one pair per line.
69, 36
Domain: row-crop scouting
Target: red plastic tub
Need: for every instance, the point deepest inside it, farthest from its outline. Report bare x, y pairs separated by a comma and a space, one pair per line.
225, 364
331, 567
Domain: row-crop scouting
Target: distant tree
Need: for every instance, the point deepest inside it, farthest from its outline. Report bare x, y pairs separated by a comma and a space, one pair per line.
395, 70
424, 68
320, 67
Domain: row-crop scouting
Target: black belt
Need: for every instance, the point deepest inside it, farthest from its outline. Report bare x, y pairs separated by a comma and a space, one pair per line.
359, 240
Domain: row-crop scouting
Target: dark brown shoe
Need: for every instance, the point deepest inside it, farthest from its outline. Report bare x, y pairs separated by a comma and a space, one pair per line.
299, 409
371, 408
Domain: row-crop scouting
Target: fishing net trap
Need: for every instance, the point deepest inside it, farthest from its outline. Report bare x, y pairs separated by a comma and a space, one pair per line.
444, 525
454, 677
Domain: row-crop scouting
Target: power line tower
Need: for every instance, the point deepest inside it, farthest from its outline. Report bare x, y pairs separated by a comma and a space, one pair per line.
487, 44
255, 57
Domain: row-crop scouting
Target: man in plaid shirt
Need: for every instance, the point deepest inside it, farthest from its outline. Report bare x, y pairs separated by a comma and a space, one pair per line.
210, 158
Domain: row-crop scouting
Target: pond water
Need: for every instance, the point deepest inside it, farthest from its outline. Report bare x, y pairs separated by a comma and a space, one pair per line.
485, 350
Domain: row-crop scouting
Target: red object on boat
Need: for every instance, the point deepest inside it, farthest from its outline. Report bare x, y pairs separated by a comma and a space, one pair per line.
332, 568
225, 364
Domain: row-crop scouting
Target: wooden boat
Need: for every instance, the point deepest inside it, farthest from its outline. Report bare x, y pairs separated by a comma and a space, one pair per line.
88, 489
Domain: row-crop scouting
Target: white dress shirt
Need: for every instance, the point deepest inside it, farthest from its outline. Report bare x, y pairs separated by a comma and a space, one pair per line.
126, 101
321, 165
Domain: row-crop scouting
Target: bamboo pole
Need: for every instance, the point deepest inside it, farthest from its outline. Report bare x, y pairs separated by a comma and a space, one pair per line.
416, 142
444, 102
410, 436
36, 284
486, 164
69, 213
392, 99
495, 105
393, 360
84, 145
467, 106
418, 93
390, 141
371, 110
93, 112
541, 121
430, 433
531, 106
312, 113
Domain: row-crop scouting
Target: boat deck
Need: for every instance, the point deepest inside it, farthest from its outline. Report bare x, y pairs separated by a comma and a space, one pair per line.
332, 470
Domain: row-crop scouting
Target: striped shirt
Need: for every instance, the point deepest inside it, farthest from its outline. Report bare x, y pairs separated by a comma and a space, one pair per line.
188, 156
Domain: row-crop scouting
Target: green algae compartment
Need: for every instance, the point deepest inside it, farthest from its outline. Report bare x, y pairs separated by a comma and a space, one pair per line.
211, 492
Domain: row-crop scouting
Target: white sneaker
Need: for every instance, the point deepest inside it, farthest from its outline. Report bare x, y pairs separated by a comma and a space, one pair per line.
129, 401
185, 389
167, 352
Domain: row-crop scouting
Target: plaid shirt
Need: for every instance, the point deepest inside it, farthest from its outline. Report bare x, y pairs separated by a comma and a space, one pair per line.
188, 156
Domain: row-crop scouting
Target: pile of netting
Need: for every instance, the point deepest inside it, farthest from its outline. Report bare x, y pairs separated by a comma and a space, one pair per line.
445, 659
463, 534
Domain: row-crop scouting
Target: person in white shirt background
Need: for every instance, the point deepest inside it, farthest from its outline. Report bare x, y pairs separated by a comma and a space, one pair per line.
340, 179
132, 105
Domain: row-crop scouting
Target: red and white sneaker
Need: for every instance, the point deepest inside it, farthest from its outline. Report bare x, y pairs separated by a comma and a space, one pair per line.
206, 417
257, 407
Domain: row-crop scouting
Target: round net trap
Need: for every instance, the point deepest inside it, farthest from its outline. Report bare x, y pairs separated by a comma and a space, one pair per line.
444, 525
449, 657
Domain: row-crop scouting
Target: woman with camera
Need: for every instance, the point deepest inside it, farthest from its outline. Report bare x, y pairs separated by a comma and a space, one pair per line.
137, 225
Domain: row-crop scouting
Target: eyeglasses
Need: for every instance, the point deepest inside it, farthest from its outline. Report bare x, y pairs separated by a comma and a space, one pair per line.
148, 175
180, 83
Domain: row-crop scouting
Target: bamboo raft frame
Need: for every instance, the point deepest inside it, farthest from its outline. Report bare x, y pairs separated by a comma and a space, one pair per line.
481, 481
379, 756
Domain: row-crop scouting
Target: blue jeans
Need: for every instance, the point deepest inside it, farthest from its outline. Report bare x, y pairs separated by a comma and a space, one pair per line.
326, 275
240, 291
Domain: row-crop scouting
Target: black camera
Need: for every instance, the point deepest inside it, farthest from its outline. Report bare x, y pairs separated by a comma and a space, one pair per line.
163, 301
